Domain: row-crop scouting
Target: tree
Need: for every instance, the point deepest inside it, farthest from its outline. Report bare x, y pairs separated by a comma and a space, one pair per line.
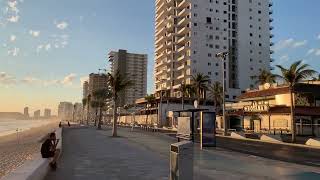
216, 93
296, 73
200, 82
88, 108
149, 98
264, 77
84, 103
101, 97
95, 105
117, 84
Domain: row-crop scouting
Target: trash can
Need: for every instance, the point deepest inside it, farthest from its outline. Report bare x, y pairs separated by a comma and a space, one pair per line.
181, 161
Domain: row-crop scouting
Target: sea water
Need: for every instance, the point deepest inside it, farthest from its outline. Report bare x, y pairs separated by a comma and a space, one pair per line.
11, 126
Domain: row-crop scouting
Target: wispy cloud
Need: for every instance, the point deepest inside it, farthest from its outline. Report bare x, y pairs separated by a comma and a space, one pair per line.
313, 51
68, 80
289, 43
284, 58
13, 38
6, 79
14, 51
30, 80
14, 19
34, 33
61, 25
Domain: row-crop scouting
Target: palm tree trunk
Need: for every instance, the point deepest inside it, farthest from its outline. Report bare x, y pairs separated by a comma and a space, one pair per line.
293, 123
100, 116
114, 126
88, 113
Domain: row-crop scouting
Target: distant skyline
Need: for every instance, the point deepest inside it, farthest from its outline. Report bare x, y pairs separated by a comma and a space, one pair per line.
47, 48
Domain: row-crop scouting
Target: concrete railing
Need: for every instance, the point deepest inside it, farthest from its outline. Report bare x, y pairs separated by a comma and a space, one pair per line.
35, 169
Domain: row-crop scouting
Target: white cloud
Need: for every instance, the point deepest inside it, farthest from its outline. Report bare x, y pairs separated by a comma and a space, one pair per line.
289, 43
318, 37
14, 51
62, 25
7, 79
47, 47
313, 51
13, 38
284, 58
30, 80
34, 33
68, 79
299, 43
13, 19
12, 5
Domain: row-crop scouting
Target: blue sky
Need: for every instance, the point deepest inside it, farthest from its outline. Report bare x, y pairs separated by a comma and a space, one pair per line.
47, 46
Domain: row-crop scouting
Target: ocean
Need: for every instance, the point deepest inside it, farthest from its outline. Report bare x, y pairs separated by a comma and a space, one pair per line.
11, 126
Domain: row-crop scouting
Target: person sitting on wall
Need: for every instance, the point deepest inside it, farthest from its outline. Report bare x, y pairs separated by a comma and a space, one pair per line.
49, 150
60, 124
69, 124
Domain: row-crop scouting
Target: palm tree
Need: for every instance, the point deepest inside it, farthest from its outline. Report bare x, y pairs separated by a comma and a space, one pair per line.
296, 73
200, 84
101, 97
88, 108
190, 91
264, 77
95, 105
215, 91
117, 84
149, 98
84, 103
183, 90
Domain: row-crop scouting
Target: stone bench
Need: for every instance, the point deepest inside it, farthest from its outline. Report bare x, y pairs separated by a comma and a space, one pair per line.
35, 169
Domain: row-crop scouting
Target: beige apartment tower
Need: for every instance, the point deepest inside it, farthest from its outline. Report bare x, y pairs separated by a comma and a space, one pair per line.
189, 33
134, 68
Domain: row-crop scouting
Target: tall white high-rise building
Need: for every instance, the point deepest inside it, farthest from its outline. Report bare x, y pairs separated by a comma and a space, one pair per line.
189, 33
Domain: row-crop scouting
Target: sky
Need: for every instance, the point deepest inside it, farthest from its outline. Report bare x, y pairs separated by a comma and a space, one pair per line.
48, 47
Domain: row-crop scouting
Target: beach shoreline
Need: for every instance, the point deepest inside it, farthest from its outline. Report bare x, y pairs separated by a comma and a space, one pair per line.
15, 149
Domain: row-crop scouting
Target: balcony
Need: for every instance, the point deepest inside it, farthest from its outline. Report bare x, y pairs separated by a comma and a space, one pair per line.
271, 28
271, 68
271, 20
159, 8
184, 4
182, 49
160, 56
271, 52
270, 12
271, 35
184, 12
183, 40
270, 4
271, 44
180, 77
271, 60
183, 31
159, 40
183, 22
180, 67
159, 24
160, 48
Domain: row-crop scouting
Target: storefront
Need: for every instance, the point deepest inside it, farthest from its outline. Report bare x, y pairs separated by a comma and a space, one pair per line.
268, 110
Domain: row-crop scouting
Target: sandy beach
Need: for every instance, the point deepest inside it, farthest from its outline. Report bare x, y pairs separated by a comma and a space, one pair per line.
15, 150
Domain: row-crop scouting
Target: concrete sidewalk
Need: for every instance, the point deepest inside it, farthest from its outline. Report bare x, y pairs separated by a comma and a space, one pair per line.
92, 154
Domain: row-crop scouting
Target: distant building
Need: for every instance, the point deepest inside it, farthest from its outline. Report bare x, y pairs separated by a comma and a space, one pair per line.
85, 89
96, 82
78, 112
36, 114
47, 113
65, 111
134, 68
26, 112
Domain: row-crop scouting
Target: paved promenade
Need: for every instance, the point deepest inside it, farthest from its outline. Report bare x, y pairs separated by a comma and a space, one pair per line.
92, 154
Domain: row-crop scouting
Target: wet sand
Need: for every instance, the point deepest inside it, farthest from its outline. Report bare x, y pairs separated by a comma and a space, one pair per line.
15, 150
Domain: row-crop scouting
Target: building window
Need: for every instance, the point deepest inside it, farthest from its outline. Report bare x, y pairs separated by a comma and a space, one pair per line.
209, 20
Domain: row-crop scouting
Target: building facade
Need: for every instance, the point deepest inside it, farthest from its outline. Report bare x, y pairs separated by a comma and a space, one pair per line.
36, 114
26, 112
268, 110
134, 68
85, 89
65, 111
47, 113
96, 82
189, 33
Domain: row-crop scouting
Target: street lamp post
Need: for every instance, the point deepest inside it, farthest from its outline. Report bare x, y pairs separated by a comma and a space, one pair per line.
223, 57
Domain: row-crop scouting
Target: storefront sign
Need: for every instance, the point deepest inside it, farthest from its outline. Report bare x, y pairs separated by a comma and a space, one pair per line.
256, 107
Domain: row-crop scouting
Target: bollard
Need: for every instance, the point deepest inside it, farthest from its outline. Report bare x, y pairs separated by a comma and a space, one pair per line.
181, 161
